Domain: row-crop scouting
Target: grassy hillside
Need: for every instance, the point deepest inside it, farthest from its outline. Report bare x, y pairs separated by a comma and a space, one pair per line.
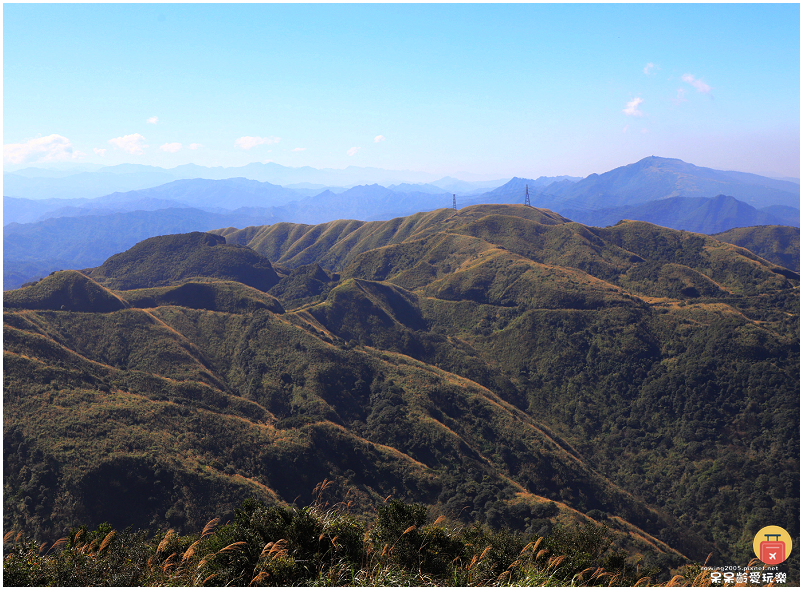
65, 290
776, 243
168, 259
499, 364
324, 545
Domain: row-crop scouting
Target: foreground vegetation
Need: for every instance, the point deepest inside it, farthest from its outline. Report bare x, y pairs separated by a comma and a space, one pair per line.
325, 546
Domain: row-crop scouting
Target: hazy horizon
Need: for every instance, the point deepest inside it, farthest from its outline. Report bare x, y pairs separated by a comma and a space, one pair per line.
493, 91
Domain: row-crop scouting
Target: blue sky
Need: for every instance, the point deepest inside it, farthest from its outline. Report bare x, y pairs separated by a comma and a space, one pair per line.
494, 90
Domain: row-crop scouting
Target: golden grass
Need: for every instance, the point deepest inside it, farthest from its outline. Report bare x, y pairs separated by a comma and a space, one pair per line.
109, 537
166, 540
209, 528
233, 547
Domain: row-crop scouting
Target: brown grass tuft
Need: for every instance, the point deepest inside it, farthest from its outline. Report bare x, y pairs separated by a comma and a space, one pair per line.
59, 543
107, 541
187, 555
598, 573
279, 548
203, 583
676, 581
165, 541
581, 575
42, 546
557, 561
205, 560
259, 578
209, 528
7, 536
238, 546
322, 486
169, 562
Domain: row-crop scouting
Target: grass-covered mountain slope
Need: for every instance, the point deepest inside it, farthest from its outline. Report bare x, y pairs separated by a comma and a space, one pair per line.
499, 363
164, 260
65, 290
776, 243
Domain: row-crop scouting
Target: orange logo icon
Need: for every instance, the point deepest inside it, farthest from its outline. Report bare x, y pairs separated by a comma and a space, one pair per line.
772, 545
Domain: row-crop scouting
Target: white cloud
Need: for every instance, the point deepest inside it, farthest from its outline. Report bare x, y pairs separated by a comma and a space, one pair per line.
100, 151
632, 107
625, 129
645, 130
171, 147
680, 97
52, 148
697, 83
133, 144
247, 142
352, 151
195, 146
153, 120
650, 68
298, 149
379, 138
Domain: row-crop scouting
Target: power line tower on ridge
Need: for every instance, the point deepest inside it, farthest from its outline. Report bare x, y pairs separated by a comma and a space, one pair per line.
454, 203
527, 197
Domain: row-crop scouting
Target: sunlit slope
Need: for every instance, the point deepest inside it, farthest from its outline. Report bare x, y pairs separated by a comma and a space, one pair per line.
464, 359
207, 294
164, 260
258, 403
777, 243
333, 245
646, 363
67, 290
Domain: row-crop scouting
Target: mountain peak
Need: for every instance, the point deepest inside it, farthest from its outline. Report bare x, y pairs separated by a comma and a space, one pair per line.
169, 259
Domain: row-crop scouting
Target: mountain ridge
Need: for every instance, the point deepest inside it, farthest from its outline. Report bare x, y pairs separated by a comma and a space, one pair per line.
655, 178
33, 251
458, 358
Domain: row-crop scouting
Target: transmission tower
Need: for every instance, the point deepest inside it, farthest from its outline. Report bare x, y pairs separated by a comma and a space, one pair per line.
527, 197
454, 203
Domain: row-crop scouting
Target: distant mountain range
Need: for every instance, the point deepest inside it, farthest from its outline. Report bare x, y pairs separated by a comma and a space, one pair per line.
697, 214
657, 178
36, 183
41, 235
